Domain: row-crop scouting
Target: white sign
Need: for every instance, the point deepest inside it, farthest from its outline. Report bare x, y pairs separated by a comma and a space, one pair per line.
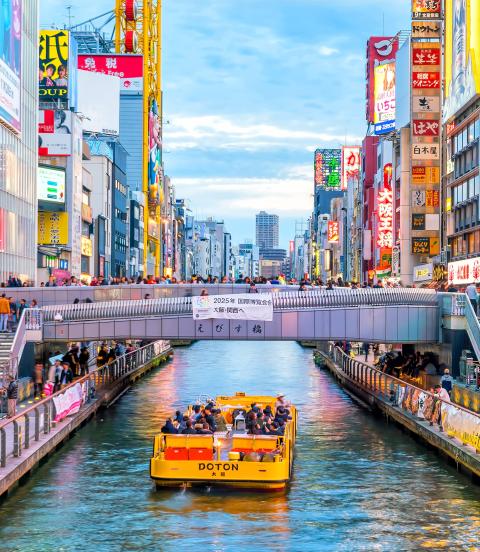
99, 102
426, 104
423, 273
51, 184
68, 403
244, 306
54, 133
426, 151
464, 272
395, 260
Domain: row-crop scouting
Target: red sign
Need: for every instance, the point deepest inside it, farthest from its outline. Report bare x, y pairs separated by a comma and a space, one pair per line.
350, 164
318, 165
432, 198
425, 127
333, 234
425, 80
380, 50
385, 216
426, 56
426, 9
127, 66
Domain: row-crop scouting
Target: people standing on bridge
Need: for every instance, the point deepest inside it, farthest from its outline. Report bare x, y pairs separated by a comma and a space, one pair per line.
472, 294
71, 357
447, 381
253, 288
102, 356
366, 349
66, 376
4, 312
204, 293
83, 359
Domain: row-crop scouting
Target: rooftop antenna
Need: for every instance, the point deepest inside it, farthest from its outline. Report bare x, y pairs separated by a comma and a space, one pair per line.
70, 16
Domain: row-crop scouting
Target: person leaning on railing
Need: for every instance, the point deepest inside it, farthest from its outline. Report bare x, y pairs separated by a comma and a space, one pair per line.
11, 391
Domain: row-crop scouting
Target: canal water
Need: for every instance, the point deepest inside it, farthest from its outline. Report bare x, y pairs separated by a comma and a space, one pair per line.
359, 483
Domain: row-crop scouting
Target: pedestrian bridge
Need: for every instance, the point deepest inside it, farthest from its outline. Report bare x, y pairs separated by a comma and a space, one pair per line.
399, 315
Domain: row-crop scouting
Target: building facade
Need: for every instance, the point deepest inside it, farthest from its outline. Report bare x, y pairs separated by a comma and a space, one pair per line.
266, 230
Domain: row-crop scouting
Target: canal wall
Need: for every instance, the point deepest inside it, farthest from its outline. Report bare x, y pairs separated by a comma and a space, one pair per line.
379, 393
33, 435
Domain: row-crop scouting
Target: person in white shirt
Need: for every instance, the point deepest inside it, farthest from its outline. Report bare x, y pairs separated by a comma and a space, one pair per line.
472, 294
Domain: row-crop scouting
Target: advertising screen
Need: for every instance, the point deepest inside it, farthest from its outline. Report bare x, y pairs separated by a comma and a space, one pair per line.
53, 77
333, 231
328, 165
101, 110
426, 9
154, 153
10, 62
384, 115
462, 47
55, 132
128, 68
51, 184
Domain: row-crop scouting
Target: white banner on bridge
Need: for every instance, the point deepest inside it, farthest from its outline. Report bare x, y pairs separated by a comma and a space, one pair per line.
243, 306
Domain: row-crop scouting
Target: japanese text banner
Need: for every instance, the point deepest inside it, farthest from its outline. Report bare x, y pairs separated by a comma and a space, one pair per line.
244, 306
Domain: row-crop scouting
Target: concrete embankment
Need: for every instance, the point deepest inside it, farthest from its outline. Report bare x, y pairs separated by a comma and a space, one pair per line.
34, 436
464, 456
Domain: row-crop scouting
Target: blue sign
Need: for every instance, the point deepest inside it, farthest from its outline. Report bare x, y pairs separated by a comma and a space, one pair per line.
384, 128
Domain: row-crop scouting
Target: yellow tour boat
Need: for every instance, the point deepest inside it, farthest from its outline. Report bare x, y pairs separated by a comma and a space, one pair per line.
231, 458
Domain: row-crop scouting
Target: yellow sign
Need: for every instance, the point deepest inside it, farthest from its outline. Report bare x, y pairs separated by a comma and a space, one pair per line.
448, 204
86, 246
425, 175
52, 228
462, 54
53, 64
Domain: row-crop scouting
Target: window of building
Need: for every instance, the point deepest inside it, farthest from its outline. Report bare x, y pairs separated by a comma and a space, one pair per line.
85, 229
85, 265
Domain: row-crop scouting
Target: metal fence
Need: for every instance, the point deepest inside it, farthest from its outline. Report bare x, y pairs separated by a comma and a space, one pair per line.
317, 298
18, 432
457, 421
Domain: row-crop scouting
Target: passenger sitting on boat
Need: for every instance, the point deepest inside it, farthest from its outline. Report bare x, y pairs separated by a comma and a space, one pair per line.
189, 429
210, 419
203, 429
178, 416
256, 429
169, 427
197, 411
250, 420
220, 422
282, 414
268, 411
183, 424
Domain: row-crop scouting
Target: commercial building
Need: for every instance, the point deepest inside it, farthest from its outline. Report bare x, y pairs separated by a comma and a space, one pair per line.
246, 261
18, 139
266, 230
212, 251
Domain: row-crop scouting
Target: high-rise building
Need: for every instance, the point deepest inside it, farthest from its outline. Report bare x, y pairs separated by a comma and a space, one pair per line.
18, 139
266, 230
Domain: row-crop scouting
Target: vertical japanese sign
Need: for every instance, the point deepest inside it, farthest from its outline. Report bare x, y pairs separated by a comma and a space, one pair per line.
350, 164
333, 234
425, 127
328, 164
384, 111
10, 62
53, 70
381, 50
385, 211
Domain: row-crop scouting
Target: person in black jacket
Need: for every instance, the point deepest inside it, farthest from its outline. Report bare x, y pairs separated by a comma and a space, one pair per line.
12, 396
83, 358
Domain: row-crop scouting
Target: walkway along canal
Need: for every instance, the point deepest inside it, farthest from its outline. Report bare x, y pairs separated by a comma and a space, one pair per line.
35, 432
359, 483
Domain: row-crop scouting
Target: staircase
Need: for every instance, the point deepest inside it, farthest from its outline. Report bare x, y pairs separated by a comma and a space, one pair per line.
6, 341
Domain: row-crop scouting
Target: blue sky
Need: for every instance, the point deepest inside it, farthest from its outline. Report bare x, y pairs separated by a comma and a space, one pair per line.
251, 88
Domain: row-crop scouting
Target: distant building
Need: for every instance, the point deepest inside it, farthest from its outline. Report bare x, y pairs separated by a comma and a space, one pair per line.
266, 230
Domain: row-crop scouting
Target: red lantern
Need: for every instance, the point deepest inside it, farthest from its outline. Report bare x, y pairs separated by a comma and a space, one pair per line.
131, 10
131, 42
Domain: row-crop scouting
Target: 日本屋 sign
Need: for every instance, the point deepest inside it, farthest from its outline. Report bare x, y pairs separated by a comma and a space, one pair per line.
426, 151
244, 306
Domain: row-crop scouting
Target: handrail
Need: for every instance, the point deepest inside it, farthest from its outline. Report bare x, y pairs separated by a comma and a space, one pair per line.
98, 378
336, 298
386, 386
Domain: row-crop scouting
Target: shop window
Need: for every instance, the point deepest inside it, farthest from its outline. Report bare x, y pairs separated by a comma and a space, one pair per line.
471, 133
471, 242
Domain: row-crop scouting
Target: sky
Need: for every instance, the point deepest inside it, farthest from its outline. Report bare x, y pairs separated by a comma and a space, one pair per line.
251, 89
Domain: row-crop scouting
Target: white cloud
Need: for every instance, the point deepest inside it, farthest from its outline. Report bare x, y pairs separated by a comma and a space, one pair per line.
218, 132
327, 51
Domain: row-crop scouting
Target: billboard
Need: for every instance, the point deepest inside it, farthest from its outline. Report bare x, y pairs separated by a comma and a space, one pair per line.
54, 51
10, 62
462, 47
51, 184
101, 110
128, 68
55, 132
426, 9
333, 232
52, 228
328, 163
385, 218
154, 154
350, 164
426, 79
384, 91
380, 50
464, 272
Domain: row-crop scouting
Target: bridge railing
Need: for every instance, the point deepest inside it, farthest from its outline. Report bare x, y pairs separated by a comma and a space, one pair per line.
454, 419
18, 432
317, 298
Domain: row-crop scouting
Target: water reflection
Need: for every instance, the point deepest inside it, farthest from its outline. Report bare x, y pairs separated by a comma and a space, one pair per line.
359, 484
